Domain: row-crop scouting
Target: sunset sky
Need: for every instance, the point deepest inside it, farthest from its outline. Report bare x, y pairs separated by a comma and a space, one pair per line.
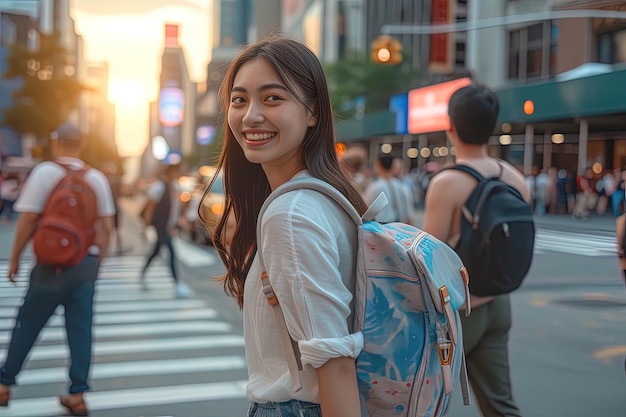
128, 34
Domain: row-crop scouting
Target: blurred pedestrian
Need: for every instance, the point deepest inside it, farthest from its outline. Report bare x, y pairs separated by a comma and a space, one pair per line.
353, 163
473, 114
110, 169
400, 207
586, 197
530, 185
542, 192
620, 237
162, 212
617, 198
9, 191
51, 286
605, 187
279, 126
562, 192
407, 181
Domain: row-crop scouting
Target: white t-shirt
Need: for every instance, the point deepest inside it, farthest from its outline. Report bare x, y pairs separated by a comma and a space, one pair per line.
155, 193
46, 175
309, 250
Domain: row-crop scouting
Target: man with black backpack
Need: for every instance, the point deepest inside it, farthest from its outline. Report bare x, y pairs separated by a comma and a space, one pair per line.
66, 209
479, 207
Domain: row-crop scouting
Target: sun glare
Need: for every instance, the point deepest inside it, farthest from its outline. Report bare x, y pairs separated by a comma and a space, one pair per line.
128, 93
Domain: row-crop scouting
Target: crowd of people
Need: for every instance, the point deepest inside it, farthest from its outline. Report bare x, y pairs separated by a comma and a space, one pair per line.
552, 191
559, 191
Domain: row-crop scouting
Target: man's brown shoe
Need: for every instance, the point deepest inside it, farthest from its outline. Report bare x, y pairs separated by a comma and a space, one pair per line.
74, 403
5, 395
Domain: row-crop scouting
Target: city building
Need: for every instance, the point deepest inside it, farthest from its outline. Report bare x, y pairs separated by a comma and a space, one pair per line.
558, 67
20, 22
172, 117
232, 28
16, 27
100, 111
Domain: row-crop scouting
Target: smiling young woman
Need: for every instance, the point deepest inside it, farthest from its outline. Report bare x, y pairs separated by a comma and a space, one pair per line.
278, 127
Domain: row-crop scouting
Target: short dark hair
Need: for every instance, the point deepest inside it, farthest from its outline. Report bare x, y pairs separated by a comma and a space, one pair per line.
386, 161
473, 111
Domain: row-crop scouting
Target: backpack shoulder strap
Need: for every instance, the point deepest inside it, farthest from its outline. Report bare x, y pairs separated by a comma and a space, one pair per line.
316, 185
468, 170
290, 347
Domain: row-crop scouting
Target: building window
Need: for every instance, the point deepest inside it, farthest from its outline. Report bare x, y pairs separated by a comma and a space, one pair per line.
534, 51
612, 47
531, 51
514, 54
461, 37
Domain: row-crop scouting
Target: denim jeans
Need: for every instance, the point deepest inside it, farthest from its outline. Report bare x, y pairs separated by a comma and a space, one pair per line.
73, 288
293, 408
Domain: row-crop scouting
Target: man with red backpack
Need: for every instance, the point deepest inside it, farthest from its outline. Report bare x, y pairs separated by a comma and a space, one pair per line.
66, 209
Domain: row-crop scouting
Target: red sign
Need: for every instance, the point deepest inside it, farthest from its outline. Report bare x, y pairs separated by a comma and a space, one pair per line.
441, 50
171, 36
428, 106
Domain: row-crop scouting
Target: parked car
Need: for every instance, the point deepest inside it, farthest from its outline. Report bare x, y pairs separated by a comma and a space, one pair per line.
212, 210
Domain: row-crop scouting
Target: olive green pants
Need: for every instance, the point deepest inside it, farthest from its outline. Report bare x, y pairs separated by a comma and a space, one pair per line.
485, 340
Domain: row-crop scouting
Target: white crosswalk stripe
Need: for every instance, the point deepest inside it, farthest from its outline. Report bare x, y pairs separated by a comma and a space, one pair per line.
574, 243
143, 339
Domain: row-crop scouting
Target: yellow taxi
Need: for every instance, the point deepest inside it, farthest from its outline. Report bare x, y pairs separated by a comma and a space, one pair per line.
212, 208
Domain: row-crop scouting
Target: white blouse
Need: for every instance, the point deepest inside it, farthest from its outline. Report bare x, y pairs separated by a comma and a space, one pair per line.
308, 245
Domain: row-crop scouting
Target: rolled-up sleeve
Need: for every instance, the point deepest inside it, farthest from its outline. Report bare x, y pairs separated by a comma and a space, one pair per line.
302, 257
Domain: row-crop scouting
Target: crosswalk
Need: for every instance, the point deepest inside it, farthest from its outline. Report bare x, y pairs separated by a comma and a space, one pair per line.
582, 244
150, 348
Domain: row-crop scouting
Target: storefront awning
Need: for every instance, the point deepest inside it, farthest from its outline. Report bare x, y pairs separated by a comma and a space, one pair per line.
372, 124
591, 96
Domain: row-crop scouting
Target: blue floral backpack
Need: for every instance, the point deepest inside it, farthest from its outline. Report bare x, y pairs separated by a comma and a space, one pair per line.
409, 288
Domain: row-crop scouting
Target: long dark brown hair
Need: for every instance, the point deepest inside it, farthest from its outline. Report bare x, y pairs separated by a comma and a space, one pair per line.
245, 184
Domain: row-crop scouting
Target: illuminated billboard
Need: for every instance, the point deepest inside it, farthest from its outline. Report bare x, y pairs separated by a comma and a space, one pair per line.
428, 106
171, 106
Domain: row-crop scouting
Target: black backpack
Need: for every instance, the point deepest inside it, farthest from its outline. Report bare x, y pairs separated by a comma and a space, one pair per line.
497, 236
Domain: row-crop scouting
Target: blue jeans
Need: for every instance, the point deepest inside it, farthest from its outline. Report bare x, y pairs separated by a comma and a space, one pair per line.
7, 209
293, 408
73, 288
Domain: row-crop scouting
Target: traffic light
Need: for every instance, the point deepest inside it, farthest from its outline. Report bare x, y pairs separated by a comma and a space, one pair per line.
386, 50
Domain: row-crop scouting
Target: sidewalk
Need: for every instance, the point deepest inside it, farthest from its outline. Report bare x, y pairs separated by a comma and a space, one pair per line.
604, 224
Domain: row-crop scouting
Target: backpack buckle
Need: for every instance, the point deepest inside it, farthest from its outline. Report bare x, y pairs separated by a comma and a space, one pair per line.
272, 300
444, 294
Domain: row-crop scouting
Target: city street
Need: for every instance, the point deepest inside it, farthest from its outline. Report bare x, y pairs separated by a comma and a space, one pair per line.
155, 355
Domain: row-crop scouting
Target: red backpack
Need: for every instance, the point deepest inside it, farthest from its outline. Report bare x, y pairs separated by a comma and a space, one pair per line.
66, 228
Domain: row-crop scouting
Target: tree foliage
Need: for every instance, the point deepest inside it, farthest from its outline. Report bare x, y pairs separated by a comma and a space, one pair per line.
359, 77
49, 92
